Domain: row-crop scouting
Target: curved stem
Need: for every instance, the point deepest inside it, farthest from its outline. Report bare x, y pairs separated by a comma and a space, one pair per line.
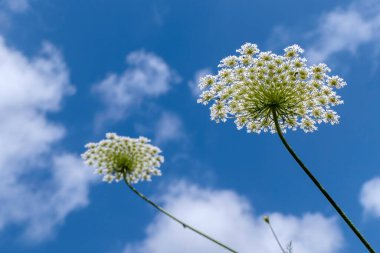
174, 218
320, 187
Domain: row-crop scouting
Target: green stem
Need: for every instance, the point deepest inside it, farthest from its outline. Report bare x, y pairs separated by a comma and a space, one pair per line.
320, 187
174, 218
275, 236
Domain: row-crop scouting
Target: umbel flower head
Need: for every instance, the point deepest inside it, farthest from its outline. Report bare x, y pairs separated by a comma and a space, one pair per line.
118, 155
253, 86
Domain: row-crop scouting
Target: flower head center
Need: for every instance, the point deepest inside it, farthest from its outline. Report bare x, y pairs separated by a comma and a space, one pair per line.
123, 163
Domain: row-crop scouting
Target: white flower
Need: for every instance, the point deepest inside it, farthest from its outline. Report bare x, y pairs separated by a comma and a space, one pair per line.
248, 49
255, 85
116, 155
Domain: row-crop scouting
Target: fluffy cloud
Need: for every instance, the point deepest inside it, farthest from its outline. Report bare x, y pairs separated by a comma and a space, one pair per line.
168, 128
370, 197
193, 84
147, 76
229, 218
29, 88
42, 205
35, 190
346, 29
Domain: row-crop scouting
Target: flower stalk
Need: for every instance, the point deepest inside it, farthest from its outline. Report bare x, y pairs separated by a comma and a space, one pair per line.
133, 160
267, 92
319, 185
185, 225
267, 221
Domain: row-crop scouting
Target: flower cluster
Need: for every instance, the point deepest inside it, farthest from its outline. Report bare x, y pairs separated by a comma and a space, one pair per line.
257, 87
117, 155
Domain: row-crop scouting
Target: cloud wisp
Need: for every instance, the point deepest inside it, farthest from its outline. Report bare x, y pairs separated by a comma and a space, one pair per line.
369, 197
16, 5
9, 8
168, 128
147, 76
345, 30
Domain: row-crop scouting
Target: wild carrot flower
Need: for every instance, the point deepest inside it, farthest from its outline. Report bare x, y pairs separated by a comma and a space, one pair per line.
117, 158
117, 155
249, 87
264, 91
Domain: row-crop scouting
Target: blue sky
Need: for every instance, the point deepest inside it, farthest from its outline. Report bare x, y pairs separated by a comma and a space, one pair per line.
73, 70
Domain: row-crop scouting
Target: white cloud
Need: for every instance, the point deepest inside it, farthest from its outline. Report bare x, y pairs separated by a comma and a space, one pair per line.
345, 30
229, 218
193, 84
169, 128
35, 190
43, 205
29, 89
147, 76
370, 197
